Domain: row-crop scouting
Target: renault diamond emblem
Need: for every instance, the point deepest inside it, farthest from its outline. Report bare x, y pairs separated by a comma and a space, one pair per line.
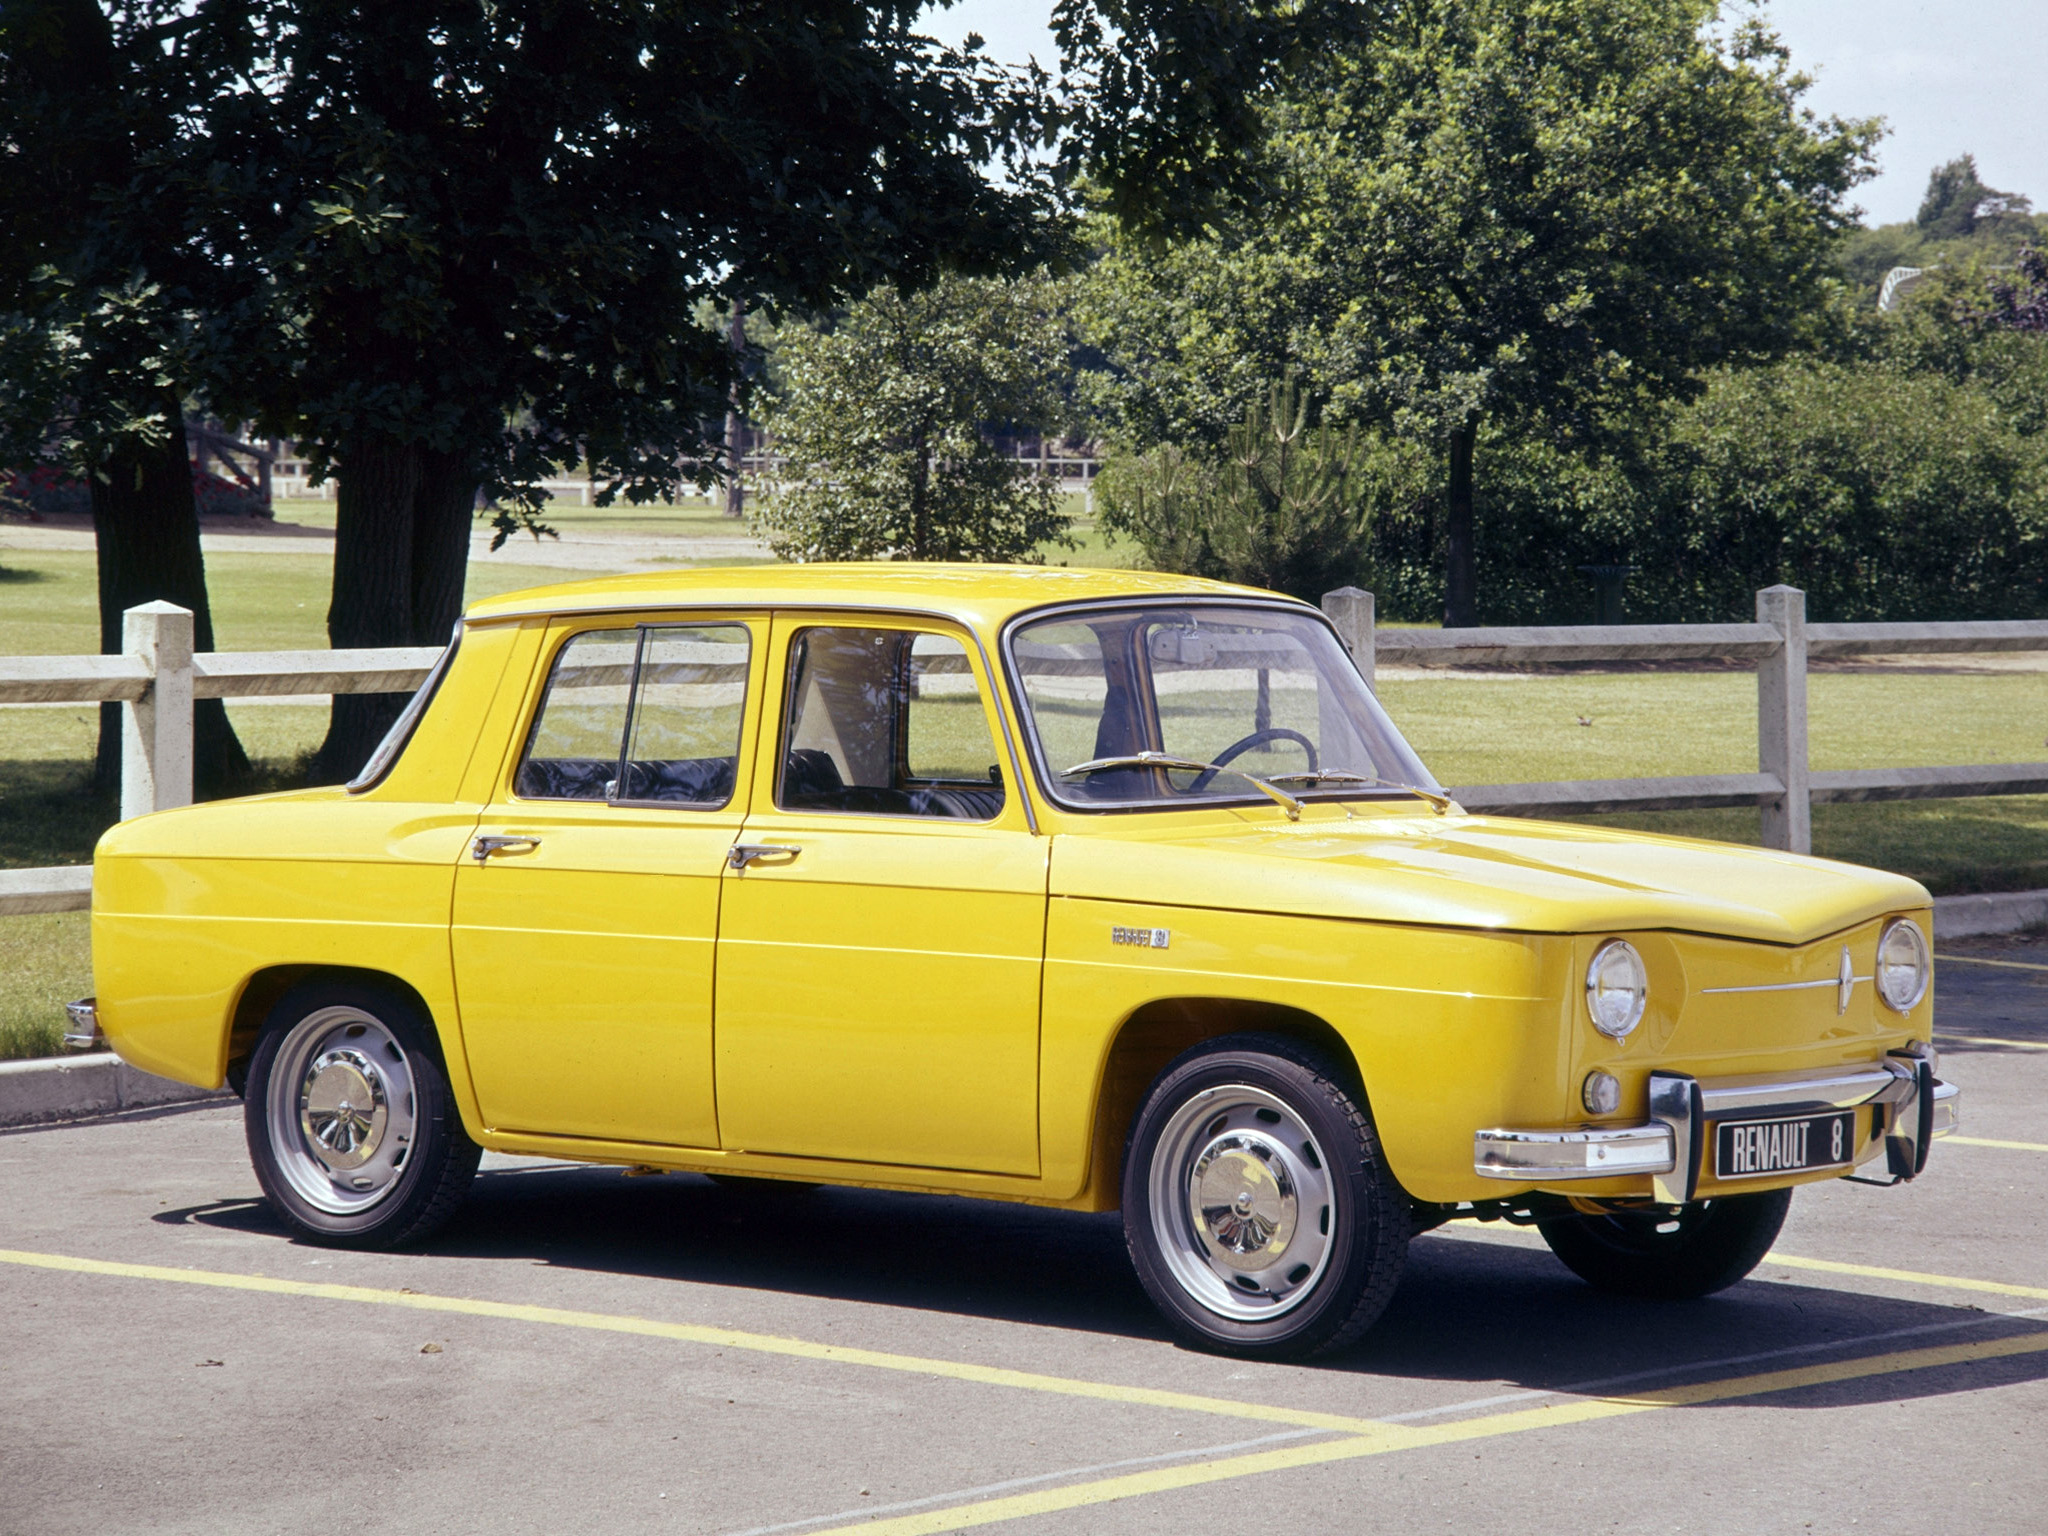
1845, 982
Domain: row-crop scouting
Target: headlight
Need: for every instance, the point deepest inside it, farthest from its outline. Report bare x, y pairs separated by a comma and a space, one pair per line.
1617, 988
1903, 965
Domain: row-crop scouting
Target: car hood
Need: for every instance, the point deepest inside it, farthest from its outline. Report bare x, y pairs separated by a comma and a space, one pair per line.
1475, 872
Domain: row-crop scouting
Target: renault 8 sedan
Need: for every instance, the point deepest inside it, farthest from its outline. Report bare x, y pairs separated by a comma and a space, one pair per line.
1090, 889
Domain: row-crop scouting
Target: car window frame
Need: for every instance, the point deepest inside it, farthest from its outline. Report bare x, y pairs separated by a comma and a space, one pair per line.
638, 627
987, 692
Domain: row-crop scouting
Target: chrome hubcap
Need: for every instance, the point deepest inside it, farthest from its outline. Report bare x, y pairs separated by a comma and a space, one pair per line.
340, 1110
343, 1110
1242, 1202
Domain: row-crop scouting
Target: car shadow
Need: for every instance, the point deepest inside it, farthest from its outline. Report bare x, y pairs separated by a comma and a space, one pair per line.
1467, 1311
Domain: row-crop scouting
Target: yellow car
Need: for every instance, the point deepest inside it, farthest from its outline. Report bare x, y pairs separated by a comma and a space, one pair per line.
1088, 889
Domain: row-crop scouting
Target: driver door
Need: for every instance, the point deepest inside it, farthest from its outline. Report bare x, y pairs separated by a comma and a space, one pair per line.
882, 934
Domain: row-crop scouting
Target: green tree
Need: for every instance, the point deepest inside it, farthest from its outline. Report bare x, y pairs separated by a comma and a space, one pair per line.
1285, 504
1538, 214
1957, 201
99, 318
884, 423
485, 233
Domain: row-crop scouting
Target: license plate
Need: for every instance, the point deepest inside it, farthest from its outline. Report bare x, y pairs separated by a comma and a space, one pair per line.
1755, 1149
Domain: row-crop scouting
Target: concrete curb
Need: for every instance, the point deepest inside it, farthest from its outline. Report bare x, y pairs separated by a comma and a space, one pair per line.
1963, 917
81, 1087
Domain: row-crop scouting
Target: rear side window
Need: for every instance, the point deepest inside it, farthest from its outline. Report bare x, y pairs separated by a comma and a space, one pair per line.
648, 715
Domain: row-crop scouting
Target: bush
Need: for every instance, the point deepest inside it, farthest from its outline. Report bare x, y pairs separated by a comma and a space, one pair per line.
1882, 493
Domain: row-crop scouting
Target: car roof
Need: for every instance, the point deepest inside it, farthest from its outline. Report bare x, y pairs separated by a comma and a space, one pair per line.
984, 594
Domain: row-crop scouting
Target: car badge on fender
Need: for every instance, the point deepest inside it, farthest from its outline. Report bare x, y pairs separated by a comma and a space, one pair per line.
1144, 938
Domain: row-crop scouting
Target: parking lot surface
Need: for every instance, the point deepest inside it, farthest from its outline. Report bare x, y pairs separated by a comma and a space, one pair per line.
584, 1352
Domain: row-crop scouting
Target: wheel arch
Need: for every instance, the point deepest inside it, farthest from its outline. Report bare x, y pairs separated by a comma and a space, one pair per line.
265, 988
1155, 1033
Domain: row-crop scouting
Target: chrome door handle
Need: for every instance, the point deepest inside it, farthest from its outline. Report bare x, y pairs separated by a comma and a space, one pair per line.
484, 847
740, 855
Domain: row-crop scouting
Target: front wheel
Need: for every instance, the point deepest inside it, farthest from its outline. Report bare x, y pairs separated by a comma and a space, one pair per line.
1258, 1210
352, 1130
1671, 1255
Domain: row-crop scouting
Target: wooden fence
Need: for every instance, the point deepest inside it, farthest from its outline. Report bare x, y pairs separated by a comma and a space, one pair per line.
158, 676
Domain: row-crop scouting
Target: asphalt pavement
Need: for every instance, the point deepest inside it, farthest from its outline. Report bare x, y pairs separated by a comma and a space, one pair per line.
585, 1352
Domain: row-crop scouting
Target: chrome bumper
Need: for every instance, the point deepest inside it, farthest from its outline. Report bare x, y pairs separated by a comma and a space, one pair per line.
82, 1029
1919, 1108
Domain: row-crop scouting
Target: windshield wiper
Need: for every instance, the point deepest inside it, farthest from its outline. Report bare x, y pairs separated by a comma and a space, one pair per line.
1272, 791
1441, 804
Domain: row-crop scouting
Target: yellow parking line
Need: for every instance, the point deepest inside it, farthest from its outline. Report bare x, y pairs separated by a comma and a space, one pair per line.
1985, 1141
1394, 1437
2018, 1045
1358, 1437
1910, 1276
2007, 965
693, 1333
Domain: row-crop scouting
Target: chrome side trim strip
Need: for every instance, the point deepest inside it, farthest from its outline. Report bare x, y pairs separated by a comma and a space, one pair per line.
1780, 986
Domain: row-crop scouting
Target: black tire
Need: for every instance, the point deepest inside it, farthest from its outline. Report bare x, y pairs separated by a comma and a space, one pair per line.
1306, 1254
1704, 1247
766, 1189
380, 1173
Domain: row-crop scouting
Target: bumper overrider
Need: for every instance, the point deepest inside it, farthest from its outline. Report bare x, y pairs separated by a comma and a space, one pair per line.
1914, 1107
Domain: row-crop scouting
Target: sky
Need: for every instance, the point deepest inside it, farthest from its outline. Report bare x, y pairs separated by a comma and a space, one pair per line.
1964, 76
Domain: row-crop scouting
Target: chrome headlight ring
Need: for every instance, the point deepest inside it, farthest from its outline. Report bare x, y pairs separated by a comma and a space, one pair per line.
1617, 988
1904, 965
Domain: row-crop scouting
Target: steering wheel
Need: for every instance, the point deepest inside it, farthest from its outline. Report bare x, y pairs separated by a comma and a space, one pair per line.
1244, 744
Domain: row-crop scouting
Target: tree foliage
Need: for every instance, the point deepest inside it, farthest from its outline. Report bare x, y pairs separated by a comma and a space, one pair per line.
1284, 504
1538, 214
1957, 201
883, 421
102, 304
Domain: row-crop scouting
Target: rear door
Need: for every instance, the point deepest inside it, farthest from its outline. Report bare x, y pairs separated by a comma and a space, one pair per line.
586, 914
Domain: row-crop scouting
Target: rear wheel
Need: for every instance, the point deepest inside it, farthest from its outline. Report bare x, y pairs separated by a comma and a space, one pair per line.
351, 1127
1671, 1255
1258, 1210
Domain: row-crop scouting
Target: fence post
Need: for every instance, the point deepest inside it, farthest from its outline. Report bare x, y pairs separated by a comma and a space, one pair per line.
156, 729
1351, 610
1781, 721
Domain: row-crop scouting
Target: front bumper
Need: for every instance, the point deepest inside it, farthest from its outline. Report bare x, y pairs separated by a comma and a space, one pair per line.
1917, 1106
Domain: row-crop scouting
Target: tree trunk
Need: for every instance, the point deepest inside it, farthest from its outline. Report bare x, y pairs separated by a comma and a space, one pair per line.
146, 529
443, 516
1461, 604
401, 554
371, 604
920, 497
735, 423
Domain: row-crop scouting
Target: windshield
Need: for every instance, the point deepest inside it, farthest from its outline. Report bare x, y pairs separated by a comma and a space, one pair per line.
1250, 690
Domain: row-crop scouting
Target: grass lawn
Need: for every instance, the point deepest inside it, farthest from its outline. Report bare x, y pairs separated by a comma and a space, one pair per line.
1511, 728
1471, 730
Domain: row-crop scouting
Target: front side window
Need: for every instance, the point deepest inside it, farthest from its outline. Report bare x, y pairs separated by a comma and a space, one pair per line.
1231, 691
643, 715
886, 722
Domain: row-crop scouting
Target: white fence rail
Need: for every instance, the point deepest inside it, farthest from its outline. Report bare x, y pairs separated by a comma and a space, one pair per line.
1780, 642
159, 676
